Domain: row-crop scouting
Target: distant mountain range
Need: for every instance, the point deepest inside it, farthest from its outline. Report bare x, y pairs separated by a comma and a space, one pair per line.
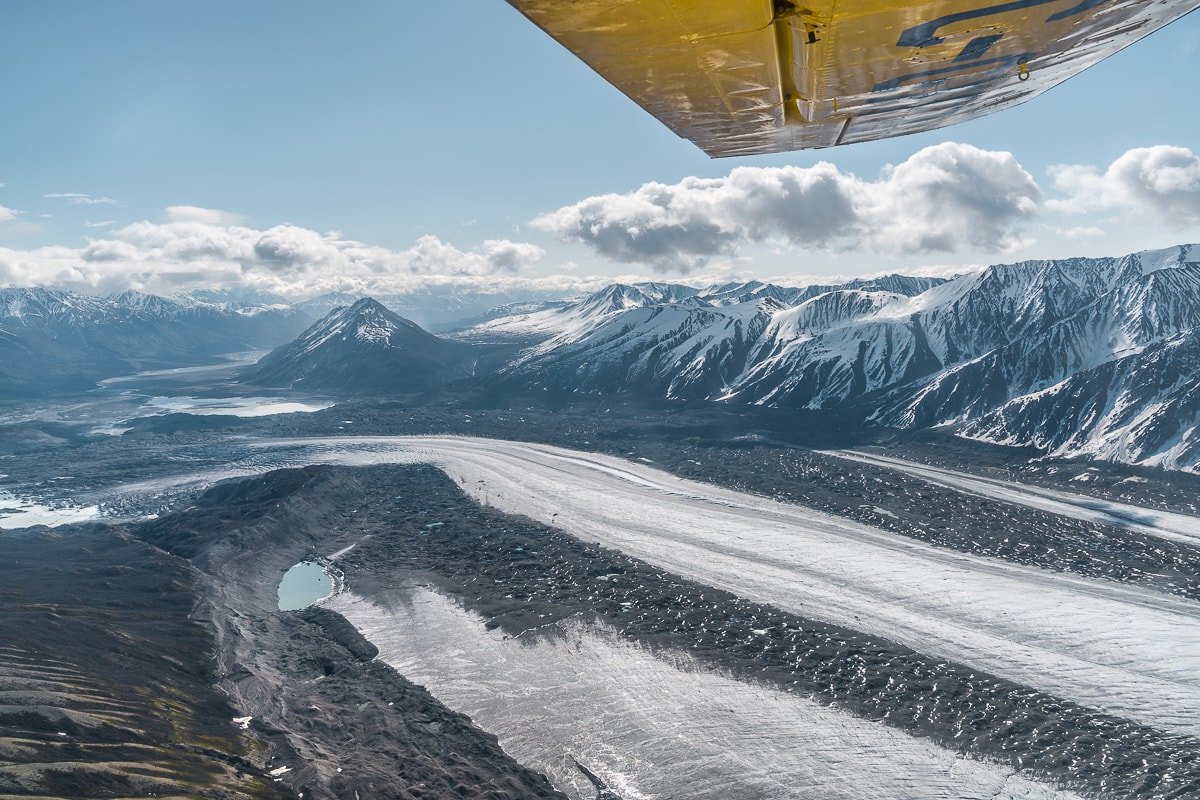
51, 340
1078, 357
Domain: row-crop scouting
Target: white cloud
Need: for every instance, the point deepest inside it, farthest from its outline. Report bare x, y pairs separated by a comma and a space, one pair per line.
432, 255
1080, 232
289, 248
80, 199
104, 224
945, 197
941, 199
205, 216
199, 247
501, 255
1162, 180
7, 214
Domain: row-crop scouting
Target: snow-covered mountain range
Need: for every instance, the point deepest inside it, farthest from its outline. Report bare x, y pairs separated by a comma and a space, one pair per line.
1089, 357
1078, 357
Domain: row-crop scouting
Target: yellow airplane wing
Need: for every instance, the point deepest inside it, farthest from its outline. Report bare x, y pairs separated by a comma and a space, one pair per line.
739, 77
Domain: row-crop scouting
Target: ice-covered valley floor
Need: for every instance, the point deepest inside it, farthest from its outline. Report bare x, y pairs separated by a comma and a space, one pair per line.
1124, 651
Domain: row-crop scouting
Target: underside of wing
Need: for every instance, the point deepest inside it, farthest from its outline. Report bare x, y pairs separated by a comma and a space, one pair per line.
765, 76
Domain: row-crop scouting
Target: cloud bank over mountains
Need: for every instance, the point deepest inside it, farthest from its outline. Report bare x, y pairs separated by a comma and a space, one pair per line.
950, 198
943, 199
938, 200
198, 246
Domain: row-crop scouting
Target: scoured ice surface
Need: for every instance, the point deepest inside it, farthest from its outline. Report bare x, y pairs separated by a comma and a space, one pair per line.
16, 512
1153, 522
1121, 649
657, 729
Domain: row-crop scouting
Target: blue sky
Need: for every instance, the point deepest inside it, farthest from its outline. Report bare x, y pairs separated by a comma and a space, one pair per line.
303, 146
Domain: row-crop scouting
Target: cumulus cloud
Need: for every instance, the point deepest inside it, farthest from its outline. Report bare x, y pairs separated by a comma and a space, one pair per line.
201, 246
942, 198
1162, 180
501, 255
80, 199
431, 255
946, 196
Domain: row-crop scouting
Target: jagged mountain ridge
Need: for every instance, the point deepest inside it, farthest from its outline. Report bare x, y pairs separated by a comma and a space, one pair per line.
364, 348
1142, 408
981, 352
665, 340
675, 350
1122, 307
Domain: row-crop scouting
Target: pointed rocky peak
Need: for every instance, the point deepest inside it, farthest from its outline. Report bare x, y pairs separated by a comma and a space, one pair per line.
365, 322
613, 298
368, 305
364, 347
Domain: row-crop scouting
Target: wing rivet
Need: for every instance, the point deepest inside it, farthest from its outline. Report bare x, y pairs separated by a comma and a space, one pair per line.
1022, 71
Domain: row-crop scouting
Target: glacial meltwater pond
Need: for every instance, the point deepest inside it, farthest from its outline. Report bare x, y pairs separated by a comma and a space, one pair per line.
303, 585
